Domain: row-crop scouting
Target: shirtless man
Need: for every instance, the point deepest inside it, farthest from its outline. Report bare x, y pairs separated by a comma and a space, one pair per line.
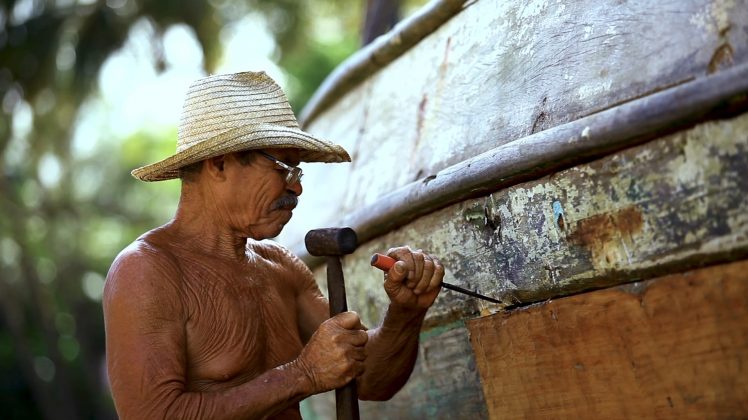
205, 319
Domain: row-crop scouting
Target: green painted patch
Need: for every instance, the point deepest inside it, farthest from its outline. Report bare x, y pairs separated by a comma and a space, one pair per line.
433, 332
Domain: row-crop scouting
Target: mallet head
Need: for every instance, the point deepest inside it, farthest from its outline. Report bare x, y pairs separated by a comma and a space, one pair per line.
331, 241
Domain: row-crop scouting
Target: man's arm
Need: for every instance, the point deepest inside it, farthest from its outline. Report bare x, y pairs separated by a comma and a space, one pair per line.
412, 285
146, 351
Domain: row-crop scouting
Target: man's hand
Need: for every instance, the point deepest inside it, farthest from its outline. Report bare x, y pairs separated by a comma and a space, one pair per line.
335, 354
415, 279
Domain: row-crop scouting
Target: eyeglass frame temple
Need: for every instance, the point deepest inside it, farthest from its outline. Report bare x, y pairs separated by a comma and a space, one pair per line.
293, 172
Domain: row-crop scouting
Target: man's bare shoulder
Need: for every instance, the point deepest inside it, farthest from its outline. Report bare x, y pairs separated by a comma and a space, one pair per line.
272, 251
295, 274
277, 254
145, 267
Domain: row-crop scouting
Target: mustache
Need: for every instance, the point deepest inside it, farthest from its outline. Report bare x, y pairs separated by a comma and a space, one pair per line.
287, 201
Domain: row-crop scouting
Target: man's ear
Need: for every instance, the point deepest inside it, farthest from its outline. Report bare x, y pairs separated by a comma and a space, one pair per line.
215, 167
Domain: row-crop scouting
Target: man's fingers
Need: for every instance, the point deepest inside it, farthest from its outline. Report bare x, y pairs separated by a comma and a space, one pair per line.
405, 255
352, 371
358, 369
437, 276
357, 338
358, 354
426, 276
336, 353
348, 320
412, 280
418, 261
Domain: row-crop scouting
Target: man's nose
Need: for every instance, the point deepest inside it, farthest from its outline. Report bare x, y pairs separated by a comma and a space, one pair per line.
295, 188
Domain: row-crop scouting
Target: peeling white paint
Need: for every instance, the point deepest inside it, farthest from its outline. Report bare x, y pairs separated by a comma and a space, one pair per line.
586, 133
506, 63
714, 17
612, 32
532, 8
698, 162
588, 29
478, 258
592, 90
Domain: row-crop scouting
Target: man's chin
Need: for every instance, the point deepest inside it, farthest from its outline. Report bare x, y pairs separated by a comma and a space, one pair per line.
285, 216
281, 224
273, 228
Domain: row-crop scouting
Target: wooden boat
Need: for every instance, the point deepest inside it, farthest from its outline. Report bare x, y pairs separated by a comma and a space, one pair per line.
583, 162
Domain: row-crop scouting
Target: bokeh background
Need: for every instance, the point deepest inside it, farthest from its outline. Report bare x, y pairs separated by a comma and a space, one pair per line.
89, 90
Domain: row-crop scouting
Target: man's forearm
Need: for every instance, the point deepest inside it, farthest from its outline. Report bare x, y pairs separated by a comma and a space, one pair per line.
263, 396
392, 350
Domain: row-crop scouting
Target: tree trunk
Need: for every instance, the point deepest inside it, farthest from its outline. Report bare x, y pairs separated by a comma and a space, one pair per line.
381, 16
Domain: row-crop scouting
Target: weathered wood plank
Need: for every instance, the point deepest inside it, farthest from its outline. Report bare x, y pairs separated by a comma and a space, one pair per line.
444, 384
672, 203
555, 149
674, 347
499, 71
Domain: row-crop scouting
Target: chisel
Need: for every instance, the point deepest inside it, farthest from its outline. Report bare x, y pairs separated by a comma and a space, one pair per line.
384, 263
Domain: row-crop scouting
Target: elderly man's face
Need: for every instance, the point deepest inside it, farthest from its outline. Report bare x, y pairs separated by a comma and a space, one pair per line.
256, 200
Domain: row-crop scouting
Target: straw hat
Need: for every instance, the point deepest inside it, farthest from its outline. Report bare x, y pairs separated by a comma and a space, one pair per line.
235, 112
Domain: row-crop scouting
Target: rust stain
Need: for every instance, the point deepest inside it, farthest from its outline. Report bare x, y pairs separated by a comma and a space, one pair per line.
609, 236
560, 222
445, 60
721, 59
421, 122
541, 120
442, 72
421, 117
629, 221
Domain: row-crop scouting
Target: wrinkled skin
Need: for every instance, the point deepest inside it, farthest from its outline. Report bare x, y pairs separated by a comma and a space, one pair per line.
206, 320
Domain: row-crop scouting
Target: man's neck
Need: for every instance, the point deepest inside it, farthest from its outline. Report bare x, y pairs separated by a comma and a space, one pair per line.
199, 223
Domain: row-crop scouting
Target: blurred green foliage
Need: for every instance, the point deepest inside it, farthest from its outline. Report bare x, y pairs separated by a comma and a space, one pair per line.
59, 236
65, 215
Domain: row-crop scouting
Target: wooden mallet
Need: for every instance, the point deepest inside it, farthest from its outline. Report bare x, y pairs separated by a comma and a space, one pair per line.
334, 243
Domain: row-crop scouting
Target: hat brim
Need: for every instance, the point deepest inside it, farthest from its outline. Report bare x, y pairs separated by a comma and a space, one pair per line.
247, 137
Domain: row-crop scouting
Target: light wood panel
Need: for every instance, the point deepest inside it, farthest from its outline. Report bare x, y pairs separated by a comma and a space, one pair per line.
673, 347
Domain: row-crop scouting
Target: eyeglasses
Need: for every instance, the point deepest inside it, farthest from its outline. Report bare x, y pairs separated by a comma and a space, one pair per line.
293, 173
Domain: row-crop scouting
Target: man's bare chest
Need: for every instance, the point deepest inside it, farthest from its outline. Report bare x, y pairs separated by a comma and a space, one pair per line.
239, 323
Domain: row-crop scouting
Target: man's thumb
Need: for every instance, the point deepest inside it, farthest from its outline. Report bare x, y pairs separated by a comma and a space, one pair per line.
397, 273
348, 320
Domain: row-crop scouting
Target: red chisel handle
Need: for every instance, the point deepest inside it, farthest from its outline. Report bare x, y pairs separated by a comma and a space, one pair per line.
384, 263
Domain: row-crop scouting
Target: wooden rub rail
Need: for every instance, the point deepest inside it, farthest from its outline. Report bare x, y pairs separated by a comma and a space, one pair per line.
554, 149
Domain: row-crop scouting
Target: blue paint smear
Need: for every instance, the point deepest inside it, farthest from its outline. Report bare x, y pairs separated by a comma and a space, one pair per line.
557, 210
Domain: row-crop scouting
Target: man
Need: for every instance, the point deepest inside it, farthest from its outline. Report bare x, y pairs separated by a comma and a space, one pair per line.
204, 319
